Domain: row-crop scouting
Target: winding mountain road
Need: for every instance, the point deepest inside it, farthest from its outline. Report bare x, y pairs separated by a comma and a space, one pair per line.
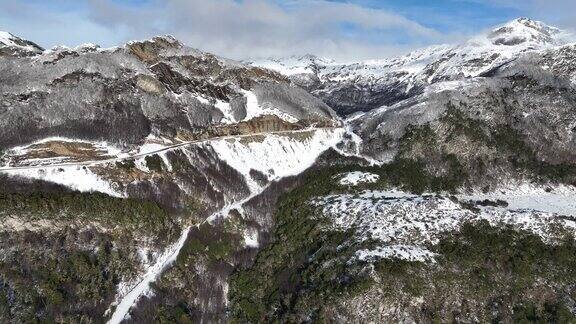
164, 149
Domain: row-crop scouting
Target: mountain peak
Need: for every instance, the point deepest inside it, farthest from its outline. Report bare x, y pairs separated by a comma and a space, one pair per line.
525, 31
6, 38
14, 45
164, 40
526, 21
534, 25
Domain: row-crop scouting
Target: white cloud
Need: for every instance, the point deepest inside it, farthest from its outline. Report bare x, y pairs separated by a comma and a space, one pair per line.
263, 28
248, 28
257, 28
236, 29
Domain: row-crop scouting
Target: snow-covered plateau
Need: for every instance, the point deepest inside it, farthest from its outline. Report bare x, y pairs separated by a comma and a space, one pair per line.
405, 224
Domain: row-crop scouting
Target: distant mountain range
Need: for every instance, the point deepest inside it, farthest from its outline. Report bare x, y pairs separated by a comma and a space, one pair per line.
365, 85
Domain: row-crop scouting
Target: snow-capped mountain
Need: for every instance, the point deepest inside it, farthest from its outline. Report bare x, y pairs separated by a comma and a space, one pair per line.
152, 182
362, 86
13, 45
519, 75
163, 88
496, 109
466, 150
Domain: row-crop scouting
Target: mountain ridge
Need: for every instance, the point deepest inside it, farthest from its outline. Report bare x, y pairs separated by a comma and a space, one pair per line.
13, 45
166, 87
151, 141
365, 85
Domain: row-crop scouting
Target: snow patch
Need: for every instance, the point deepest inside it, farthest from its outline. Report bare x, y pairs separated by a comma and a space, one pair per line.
277, 155
395, 217
105, 147
251, 238
292, 65
75, 177
552, 199
355, 178
445, 86
148, 148
226, 110
403, 252
254, 109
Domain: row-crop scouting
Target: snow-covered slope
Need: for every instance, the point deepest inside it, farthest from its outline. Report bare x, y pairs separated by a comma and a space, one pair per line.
293, 65
13, 45
361, 86
276, 156
159, 87
405, 224
218, 145
272, 155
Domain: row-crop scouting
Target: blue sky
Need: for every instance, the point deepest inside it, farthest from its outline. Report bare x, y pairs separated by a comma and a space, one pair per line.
344, 29
445, 15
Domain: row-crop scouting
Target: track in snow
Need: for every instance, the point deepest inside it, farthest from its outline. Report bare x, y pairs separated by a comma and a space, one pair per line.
130, 299
140, 289
164, 261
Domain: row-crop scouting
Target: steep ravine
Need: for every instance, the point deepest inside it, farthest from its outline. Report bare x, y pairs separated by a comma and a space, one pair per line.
122, 307
199, 184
